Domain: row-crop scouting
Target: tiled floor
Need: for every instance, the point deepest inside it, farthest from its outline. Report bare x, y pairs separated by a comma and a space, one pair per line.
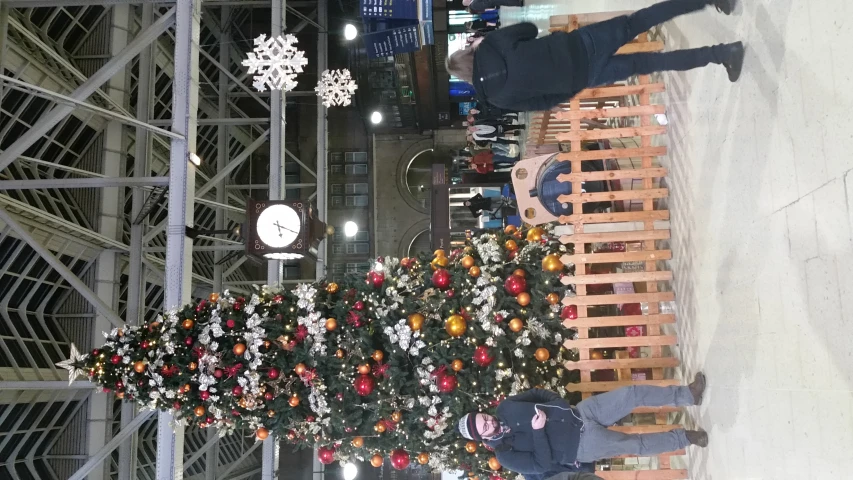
761, 207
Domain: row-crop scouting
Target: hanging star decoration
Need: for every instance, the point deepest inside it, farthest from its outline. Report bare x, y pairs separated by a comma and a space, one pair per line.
71, 364
275, 63
336, 87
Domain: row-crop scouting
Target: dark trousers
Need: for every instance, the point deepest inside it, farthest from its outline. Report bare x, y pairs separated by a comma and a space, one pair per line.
603, 39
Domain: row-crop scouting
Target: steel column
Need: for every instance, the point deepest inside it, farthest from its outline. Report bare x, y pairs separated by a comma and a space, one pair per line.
4, 30
45, 385
97, 182
101, 454
322, 134
219, 121
222, 141
113, 66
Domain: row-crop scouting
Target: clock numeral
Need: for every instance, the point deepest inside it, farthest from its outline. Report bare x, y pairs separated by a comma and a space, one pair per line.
299, 243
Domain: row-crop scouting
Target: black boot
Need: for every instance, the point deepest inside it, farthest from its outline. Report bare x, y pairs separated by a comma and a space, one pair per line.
697, 388
697, 437
725, 6
734, 60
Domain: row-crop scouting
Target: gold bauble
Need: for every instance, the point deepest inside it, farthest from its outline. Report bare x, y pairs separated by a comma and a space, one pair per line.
423, 458
377, 355
340, 353
455, 325
551, 263
187, 388
474, 271
262, 433
270, 413
440, 262
516, 325
364, 369
596, 355
520, 272
357, 442
214, 297
119, 395
242, 402
332, 288
416, 321
552, 298
331, 324
510, 229
379, 427
471, 447
139, 367
438, 253
535, 234
467, 261
187, 324
294, 401
199, 411
376, 460
510, 245
523, 299
494, 464
396, 417
457, 365
239, 349
330, 230
517, 234
192, 366
299, 369
542, 354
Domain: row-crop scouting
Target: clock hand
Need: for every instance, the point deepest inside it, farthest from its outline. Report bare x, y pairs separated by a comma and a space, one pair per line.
281, 226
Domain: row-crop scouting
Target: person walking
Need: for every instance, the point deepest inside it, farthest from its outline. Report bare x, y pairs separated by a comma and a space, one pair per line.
483, 5
511, 68
537, 432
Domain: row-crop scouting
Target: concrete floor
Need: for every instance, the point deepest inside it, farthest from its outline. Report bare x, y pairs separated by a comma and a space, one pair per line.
761, 222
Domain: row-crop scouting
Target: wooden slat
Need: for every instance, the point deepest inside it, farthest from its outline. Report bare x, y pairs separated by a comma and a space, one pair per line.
615, 217
627, 236
608, 386
617, 257
614, 195
619, 91
620, 298
640, 47
656, 410
593, 113
645, 428
620, 342
606, 133
613, 175
620, 321
612, 154
613, 364
644, 475
661, 276
667, 454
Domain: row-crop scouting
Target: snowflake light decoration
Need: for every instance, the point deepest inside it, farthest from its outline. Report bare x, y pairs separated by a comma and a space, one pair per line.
336, 87
275, 63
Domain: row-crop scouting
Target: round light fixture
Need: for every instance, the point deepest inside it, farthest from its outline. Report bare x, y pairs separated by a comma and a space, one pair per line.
376, 117
350, 471
350, 32
350, 229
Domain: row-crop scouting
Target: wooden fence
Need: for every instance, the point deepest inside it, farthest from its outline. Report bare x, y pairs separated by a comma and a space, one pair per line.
635, 232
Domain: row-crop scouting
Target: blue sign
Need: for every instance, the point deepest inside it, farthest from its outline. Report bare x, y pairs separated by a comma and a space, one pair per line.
425, 10
391, 42
389, 9
465, 107
427, 33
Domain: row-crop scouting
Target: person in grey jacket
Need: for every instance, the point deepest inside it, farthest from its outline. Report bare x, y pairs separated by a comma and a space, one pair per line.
537, 432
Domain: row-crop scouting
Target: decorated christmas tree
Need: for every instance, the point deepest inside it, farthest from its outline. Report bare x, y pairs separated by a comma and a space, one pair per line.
369, 369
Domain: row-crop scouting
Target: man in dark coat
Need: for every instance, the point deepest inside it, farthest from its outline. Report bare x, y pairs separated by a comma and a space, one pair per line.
483, 5
538, 432
513, 69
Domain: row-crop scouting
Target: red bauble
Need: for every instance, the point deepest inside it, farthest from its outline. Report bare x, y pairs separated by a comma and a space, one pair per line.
217, 373
399, 459
364, 385
176, 406
309, 418
229, 323
515, 284
189, 341
482, 356
204, 394
277, 298
339, 396
144, 344
359, 305
273, 373
441, 278
119, 385
115, 359
209, 420
447, 383
512, 253
326, 455
268, 395
570, 312
376, 278
499, 318
450, 294
237, 391
97, 352
235, 413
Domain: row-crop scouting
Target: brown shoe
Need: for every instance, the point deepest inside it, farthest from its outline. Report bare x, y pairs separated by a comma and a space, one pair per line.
697, 388
697, 437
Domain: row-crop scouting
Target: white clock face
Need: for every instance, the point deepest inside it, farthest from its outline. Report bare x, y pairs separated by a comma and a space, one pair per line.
278, 226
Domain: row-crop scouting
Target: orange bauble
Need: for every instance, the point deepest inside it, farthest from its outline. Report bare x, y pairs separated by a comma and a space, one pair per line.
119, 395
396, 417
262, 433
520, 272
199, 411
455, 325
299, 368
294, 401
187, 324
467, 261
364, 369
376, 460
192, 366
332, 288
423, 458
357, 442
331, 324
494, 464
377, 356
510, 245
535, 234
380, 427
596, 355
139, 367
187, 388
516, 325
471, 447
214, 297
457, 365
438, 253
523, 299
416, 321
474, 271
553, 298
551, 263
239, 349
510, 229
340, 353
542, 354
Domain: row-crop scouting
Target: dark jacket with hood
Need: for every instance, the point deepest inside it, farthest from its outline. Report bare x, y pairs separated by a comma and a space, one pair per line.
515, 70
549, 450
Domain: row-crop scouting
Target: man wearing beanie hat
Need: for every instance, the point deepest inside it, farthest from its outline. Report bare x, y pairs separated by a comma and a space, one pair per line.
538, 434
